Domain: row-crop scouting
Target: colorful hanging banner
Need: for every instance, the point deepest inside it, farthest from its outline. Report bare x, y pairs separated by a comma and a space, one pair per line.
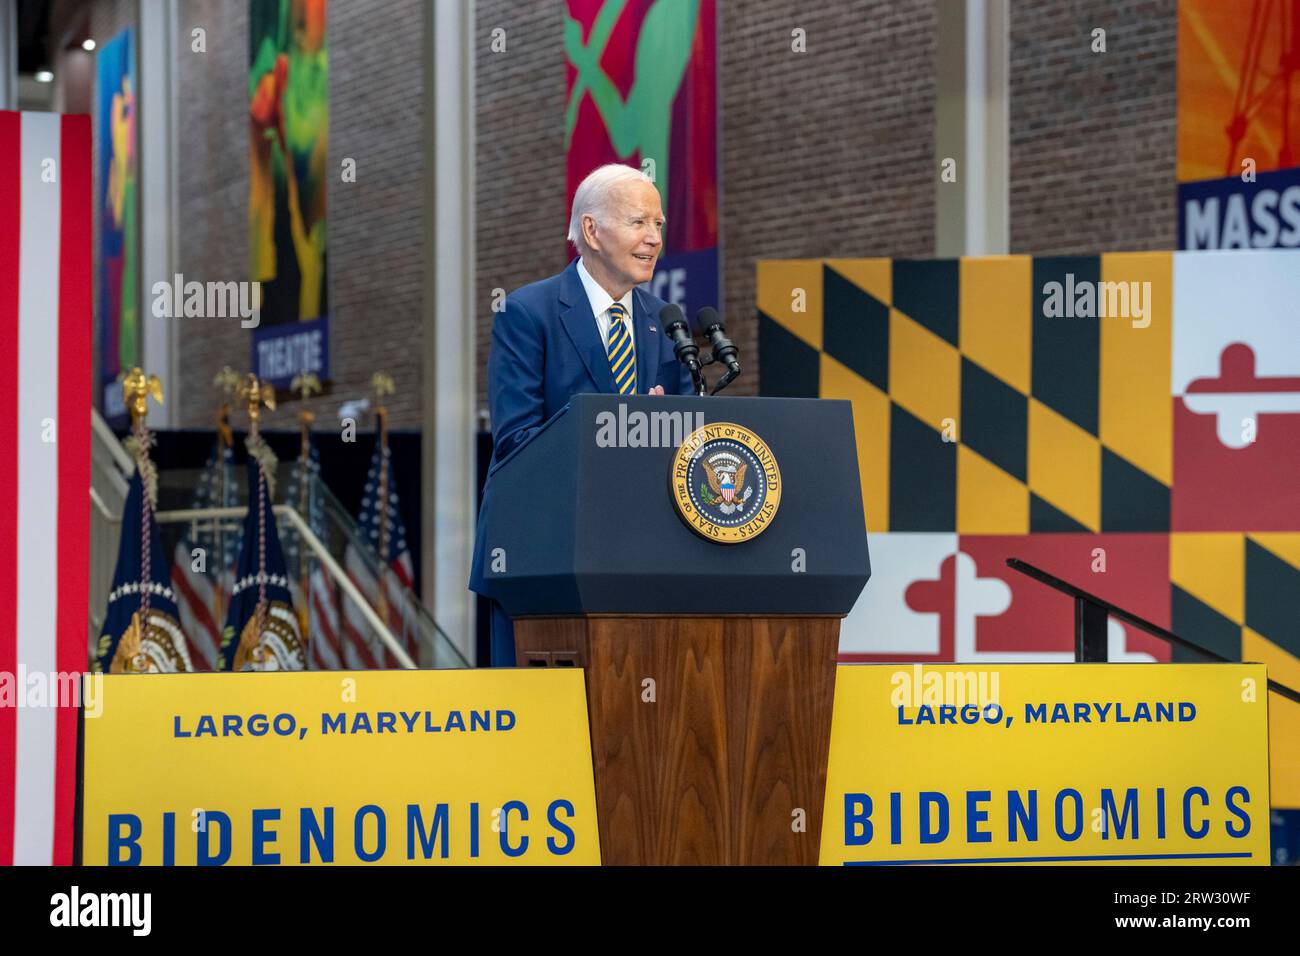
288, 103
1238, 125
642, 83
119, 240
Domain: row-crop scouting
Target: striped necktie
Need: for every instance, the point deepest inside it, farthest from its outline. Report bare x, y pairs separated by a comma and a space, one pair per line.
622, 355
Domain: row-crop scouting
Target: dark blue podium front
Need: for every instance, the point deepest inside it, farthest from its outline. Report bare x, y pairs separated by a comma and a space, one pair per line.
709, 667
573, 525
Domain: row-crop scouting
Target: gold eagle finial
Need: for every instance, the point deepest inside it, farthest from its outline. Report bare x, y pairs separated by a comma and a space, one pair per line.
305, 384
228, 381
137, 389
255, 394
382, 383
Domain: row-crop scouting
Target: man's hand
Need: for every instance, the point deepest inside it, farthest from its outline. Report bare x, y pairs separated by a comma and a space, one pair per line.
657, 390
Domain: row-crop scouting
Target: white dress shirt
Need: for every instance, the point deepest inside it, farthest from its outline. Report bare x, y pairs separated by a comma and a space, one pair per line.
600, 302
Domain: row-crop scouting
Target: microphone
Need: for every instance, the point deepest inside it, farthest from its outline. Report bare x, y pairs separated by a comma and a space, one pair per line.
724, 350
675, 327
684, 347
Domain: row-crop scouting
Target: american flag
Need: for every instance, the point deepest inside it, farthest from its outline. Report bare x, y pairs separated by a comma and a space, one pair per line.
196, 591
324, 637
140, 587
398, 575
45, 396
262, 630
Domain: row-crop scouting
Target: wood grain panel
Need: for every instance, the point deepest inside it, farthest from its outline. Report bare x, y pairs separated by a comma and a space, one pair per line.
781, 683
735, 741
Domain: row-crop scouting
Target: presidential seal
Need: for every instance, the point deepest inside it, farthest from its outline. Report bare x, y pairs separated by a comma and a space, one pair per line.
277, 648
725, 483
151, 645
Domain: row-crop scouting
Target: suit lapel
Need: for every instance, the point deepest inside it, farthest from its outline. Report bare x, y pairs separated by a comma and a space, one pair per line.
580, 325
647, 346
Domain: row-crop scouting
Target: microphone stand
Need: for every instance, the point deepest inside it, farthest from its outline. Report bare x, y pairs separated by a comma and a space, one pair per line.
698, 379
726, 379
724, 352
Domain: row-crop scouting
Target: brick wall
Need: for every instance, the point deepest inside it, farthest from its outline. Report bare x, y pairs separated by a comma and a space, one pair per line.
520, 212
211, 190
375, 253
1092, 142
826, 153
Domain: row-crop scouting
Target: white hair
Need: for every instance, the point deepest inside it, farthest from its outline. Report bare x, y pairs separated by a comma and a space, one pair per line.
592, 197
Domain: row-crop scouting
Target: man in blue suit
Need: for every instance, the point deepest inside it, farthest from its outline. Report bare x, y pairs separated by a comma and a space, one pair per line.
588, 329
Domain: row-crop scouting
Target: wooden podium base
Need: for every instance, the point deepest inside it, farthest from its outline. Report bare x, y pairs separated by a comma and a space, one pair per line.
708, 734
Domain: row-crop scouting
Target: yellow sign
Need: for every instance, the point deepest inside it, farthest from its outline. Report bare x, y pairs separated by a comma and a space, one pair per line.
1046, 763
726, 484
468, 766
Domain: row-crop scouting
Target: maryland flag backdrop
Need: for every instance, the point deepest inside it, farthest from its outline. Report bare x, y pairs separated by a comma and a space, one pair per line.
1129, 422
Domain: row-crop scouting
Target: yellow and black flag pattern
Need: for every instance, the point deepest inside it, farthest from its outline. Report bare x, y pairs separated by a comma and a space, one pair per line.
1052, 424
1129, 422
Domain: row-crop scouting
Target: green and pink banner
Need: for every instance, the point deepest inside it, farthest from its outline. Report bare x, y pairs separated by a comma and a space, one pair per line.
642, 83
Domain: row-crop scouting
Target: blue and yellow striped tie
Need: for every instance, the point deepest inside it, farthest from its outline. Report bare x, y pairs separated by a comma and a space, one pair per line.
622, 355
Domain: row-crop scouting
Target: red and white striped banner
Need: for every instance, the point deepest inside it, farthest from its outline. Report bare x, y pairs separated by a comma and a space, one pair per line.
45, 390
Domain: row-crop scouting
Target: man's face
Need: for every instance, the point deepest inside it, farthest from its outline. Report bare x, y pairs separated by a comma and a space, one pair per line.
627, 243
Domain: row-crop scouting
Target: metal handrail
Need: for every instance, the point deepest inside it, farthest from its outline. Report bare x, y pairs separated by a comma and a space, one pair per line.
108, 491
121, 457
440, 643
111, 470
117, 469
104, 510
1091, 612
322, 555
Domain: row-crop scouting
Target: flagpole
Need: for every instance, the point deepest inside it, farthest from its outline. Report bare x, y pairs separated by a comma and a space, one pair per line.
227, 380
219, 539
137, 388
383, 385
304, 384
256, 394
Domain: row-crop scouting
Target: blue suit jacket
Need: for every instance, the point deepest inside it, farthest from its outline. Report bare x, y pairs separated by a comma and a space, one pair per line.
546, 348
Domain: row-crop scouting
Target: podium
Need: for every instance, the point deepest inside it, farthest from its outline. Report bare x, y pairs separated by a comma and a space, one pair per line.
710, 667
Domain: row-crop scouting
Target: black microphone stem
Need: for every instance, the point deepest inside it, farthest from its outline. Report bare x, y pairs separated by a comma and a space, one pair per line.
726, 379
